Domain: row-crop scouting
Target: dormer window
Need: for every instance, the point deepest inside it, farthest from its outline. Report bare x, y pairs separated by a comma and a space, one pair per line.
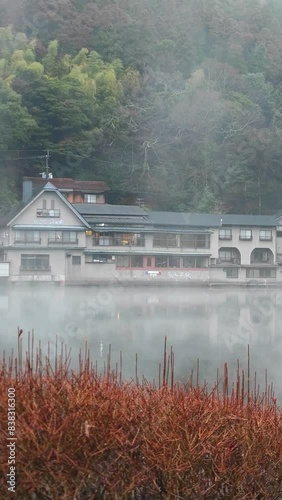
90, 198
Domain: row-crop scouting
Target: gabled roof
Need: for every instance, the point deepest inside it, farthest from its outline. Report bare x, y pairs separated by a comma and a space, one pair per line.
49, 187
70, 184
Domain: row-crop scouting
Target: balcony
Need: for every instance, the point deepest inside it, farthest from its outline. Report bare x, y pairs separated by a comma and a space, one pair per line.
24, 241
52, 241
44, 212
262, 256
235, 261
117, 242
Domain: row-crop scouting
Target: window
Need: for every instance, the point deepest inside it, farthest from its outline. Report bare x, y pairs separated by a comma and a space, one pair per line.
136, 261
232, 272
76, 260
201, 262
3, 257
62, 237
231, 255
160, 261
102, 240
99, 258
52, 204
279, 234
69, 236
225, 234
191, 261
44, 204
90, 198
27, 237
128, 239
265, 235
45, 212
246, 234
260, 255
261, 273
35, 262
173, 262
123, 261
195, 240
165, 240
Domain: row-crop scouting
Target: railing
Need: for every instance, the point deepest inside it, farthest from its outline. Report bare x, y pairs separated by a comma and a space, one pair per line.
226, 260
44, 212
116, 242
27, 242
37, 269
62, 242
262, 261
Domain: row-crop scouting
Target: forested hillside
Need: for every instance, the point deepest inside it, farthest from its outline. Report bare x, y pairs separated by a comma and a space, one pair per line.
178, 101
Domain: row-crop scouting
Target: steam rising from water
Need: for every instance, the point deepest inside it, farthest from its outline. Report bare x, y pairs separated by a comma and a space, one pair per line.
212, 325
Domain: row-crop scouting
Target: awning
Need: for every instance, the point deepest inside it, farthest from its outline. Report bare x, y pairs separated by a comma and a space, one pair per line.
51, 227
138, 251
126, 229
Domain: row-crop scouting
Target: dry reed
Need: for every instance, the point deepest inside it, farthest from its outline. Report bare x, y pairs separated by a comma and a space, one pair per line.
85, 435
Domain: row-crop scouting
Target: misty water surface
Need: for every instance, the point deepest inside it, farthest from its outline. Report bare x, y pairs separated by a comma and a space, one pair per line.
214, 325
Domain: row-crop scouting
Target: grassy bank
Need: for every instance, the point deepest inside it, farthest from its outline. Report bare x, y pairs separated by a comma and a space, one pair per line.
88, 436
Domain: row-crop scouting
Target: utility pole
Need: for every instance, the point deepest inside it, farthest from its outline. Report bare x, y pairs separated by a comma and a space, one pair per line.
46, 174
47, 163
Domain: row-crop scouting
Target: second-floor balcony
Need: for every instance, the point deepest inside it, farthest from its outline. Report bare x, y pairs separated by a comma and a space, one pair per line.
173, 240
262, 256
119, 240
62, 241
229, 255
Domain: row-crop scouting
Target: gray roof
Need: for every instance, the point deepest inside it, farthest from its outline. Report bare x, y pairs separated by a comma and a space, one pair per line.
122, 219
105, 209
210, 220
140, 251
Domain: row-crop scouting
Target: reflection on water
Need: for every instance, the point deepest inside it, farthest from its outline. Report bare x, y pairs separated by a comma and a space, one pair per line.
209, 324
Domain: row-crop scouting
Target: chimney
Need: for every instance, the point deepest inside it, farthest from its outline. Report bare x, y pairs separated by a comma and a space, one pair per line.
27, 190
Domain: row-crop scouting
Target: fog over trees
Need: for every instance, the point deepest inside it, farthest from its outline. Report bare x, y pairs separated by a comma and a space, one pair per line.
179, 99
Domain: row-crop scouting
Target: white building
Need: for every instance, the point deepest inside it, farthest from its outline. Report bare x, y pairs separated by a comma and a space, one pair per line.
50, 239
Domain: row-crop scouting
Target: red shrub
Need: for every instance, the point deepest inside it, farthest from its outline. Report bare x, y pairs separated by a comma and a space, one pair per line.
85, 436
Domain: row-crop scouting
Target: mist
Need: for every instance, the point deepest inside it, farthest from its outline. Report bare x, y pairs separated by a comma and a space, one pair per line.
210, 325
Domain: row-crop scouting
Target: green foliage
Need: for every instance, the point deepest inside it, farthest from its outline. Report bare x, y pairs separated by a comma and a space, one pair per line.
150, 94
8, 194
16, 124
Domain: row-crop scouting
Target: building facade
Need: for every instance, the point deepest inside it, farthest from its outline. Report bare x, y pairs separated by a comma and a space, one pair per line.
65, 233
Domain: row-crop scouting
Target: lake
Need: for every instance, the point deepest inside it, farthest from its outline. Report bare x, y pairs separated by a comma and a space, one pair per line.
214, 325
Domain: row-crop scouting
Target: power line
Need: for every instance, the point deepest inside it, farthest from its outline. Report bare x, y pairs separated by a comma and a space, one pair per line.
22, 150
